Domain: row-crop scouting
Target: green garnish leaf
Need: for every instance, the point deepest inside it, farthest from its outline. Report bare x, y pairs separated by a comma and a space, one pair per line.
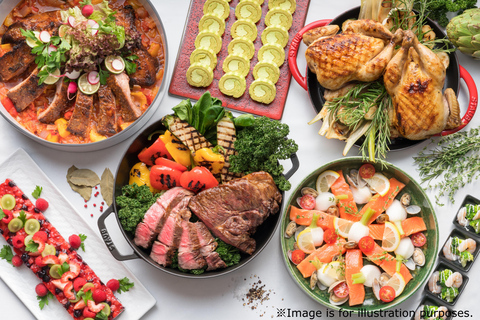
103, 74
83, 238
43, 301
23, 216
125, 285
65, 267
6, 253
85, 2
85, 295
32, 247
101, 316
37, 192
2, 214
130, 66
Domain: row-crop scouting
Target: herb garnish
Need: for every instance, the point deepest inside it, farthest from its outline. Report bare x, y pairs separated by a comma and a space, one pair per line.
22, 216
37, 192
83, 238
125, 285
6, 253
32, 247
42, 301
130, 66
2, 214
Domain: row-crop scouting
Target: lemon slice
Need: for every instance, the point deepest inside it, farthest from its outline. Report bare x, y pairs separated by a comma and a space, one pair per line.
391, 237
336, 270
326, 179
305, 241
379, 183
342, 226
397, 283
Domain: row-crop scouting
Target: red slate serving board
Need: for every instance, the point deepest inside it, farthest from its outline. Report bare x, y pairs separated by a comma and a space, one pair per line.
180, 87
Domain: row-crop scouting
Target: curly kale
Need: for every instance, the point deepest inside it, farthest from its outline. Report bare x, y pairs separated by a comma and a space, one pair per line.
134, 202
261, 146
438, 9
228, 253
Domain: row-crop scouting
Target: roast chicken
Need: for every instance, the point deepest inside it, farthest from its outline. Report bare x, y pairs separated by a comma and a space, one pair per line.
361, 52
414, 78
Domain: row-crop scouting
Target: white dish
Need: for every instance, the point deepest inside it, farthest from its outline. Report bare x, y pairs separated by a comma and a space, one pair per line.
26, 174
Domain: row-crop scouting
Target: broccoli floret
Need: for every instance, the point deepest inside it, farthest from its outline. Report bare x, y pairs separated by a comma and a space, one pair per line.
475, 224
449, 294
465, 257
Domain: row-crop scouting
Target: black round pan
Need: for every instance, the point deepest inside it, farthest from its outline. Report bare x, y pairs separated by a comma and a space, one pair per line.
316, 91
262, 236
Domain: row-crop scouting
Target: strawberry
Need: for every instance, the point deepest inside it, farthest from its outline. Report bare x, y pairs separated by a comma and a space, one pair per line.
8, 216
41, 246
113, 284
79, 305
63, 257
41, 290
75, 241
68, 291
68, 276
95, 307
40, 235
59, 284
87, 313
50, 259
75, 268
41, 204
18, 241
78, 283
99, 296
39, 262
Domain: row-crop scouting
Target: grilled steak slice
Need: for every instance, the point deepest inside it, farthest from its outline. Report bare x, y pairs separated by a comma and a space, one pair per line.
107, 118
16, 61
189, 256
233, 210
26, 91
147, 66
125, 17
119, 85
162, 254
59, 103
47, 21
80, 119
208, 246
154, 218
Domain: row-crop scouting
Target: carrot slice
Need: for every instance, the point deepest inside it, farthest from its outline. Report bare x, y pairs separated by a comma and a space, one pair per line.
304, 217
353, 264
325, 254
347, 207
409, 226
381, 203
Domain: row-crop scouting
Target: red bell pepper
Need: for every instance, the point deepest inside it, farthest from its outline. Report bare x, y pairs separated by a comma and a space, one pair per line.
164, 178
9, 106
152, 153
171, 164
198, 179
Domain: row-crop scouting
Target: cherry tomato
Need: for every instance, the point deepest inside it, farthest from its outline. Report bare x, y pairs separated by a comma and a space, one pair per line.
164, 178
341, 290
329, 236
387, 294
171, 164
198, 179
366, 171
307, 202
366, 244
418, 239
298, 256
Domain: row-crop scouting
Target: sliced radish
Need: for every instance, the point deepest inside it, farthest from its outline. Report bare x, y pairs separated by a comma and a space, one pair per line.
93, 77
44, 36
72, 90
72, 22
73, 75
93, 25
118, 64
51, 48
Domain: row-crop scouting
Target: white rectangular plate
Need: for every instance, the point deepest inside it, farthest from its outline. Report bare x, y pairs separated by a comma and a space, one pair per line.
26, 174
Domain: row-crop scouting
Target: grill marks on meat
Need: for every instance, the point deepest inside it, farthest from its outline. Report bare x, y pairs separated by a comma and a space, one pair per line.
118, 83
16, 61
233, 210
47, 21
59, 103
26, 91
125, 17
147, 66
107, 118
78, 124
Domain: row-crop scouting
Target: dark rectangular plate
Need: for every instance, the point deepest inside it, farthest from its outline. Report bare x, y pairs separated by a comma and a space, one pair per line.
180, 87
442, 266
427, 300
462, 235
470, 200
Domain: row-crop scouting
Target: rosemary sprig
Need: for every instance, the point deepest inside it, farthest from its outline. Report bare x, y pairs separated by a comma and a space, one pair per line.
451, 165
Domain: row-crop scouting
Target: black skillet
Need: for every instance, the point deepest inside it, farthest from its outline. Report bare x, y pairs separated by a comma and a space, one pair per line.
453, 74
262, 236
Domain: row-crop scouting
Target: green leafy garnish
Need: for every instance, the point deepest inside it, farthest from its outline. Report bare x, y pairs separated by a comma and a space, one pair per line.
130, 66
32, 247
2, 214
83, 238
85, 2
101, 316
103, 75
6, 253
37, 192
125, 285
43, 301
85, 295
65, 267
228, 253
22, 216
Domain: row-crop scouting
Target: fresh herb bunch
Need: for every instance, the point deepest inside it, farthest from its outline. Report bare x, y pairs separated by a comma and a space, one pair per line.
125, 285
438, 9
261, 146
451, 165
134, 202
6, 253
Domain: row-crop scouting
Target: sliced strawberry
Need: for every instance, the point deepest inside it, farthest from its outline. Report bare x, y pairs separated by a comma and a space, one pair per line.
40, 235
78, 283
79, 305
59, 284
95, 307
68, 276
87, 313
41, 246
68, 291
8, 216
75, 268
39, 262
63, 257
51, 259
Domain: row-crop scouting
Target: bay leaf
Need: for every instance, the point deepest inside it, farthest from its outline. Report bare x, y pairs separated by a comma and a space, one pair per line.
106, 186
85, 192
84, 178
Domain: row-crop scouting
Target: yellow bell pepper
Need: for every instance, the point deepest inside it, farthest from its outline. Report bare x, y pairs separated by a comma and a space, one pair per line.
62, 127
207, 158
179, 152
167, 137
140, 175
53, 137
95, 136
125, 125
139, 99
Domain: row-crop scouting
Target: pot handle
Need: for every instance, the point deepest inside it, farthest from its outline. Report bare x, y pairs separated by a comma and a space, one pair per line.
473, 102
108, 241
293, 51
294, 168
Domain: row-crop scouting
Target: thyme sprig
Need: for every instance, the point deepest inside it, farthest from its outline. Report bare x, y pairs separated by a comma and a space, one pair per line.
451, 165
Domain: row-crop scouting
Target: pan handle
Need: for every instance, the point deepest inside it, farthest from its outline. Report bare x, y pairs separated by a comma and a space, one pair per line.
108, 241
473, 102
293, 51
294, 168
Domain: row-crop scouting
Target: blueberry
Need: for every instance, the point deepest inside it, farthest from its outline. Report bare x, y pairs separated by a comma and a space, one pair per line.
41, 273
28, 264
24, 207
46, 278
24, 196
11, 184
10, 242
77, 313
1, 231
67, 305
36, 210
41, 221
58, 291
25, 257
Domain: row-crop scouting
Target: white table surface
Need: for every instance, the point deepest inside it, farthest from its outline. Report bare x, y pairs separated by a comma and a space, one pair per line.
221, 297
